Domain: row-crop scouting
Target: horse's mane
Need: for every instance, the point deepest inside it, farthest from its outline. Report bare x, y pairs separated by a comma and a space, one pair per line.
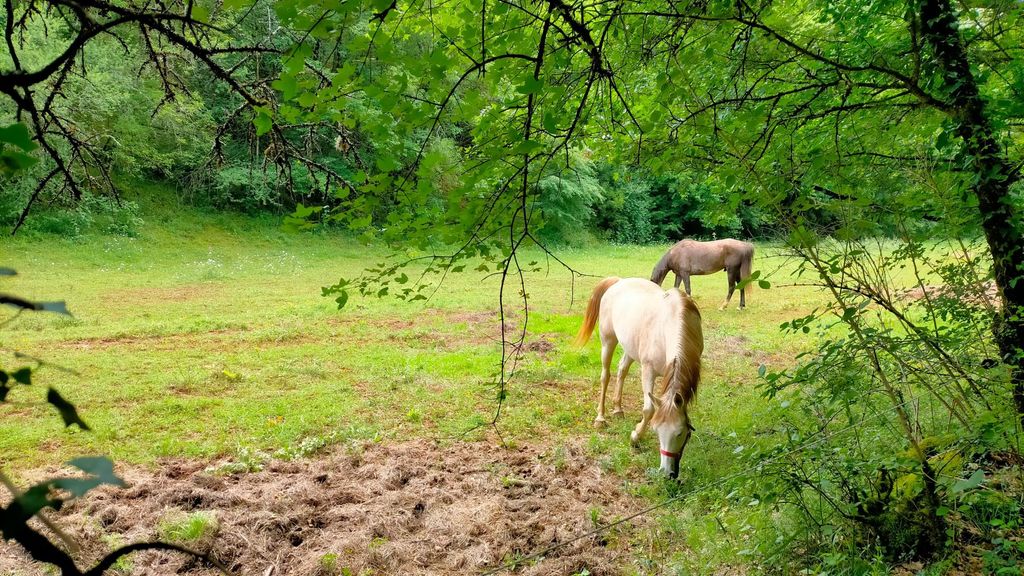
685, 374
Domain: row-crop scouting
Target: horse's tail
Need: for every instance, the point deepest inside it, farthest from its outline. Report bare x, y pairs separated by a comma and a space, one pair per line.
686, 376
746, 264
593, 309
661, 268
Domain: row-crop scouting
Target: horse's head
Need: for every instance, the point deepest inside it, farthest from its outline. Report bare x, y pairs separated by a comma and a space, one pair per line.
672, 425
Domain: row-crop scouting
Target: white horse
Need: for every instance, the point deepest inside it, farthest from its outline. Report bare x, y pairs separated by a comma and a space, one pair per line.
662, 330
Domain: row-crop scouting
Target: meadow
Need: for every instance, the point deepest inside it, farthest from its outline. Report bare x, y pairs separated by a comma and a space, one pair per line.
206, 338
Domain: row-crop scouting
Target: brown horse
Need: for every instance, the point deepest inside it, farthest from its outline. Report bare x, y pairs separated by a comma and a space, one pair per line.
662, 330
692, 258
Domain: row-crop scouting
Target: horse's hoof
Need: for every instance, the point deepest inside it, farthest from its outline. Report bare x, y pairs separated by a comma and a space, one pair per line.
600, 423
634, 438
618, 413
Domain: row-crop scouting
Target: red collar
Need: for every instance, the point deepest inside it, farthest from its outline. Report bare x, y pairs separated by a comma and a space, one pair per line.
670, 454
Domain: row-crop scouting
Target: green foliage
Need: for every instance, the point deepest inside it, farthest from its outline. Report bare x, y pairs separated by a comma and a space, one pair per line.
891, 465
630, 216
15, 144
93, 214
328, 565
243, 187
566, 201
185, 528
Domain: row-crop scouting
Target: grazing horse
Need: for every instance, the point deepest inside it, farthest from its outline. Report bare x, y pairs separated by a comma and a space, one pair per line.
662, 330
692, 258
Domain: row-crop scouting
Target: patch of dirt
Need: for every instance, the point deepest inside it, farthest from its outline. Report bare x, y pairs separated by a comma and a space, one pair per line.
182, 293
215, 339
470, 318
154, 341
987, 295
411, 508
541, 345
730, 346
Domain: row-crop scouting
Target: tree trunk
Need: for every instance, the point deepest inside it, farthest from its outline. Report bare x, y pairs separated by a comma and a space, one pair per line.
993, 177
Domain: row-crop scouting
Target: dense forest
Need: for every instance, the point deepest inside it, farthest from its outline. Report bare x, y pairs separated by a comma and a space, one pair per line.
861, 138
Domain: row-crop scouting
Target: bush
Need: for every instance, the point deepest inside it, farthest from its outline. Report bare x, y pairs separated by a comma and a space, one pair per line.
93, 213
243, 187
640, 208
631, 223
566, 202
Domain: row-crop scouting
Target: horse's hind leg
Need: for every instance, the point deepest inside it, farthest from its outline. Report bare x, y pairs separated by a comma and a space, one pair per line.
734, 274
624, 365
647, 378
607, 350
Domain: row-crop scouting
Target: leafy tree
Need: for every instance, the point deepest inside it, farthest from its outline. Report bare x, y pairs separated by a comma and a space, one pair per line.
140, 109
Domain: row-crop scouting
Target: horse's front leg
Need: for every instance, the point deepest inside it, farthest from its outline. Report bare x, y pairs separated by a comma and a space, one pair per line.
624, 365
683, 279
607, 350
647, 378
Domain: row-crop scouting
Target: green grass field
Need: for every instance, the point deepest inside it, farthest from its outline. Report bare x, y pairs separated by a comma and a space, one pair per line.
207, 337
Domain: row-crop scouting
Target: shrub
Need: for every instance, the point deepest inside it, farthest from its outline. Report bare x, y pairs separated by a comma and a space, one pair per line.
566, 202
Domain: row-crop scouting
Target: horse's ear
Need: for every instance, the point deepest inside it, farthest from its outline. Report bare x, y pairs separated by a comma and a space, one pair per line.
677, 400
655, 400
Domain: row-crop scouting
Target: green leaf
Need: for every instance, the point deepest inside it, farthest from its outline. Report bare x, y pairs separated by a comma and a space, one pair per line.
302, 211
527, 147
970, 483
36, 498
17, 135
262, 122
550, 122
402, 279
307, 99
387, 163
342, 299
58, 307
99, 466
287, 85
14, 161
200, 13
67, 410
764, 284
100, 470
743, 283
531, 86
23, 375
